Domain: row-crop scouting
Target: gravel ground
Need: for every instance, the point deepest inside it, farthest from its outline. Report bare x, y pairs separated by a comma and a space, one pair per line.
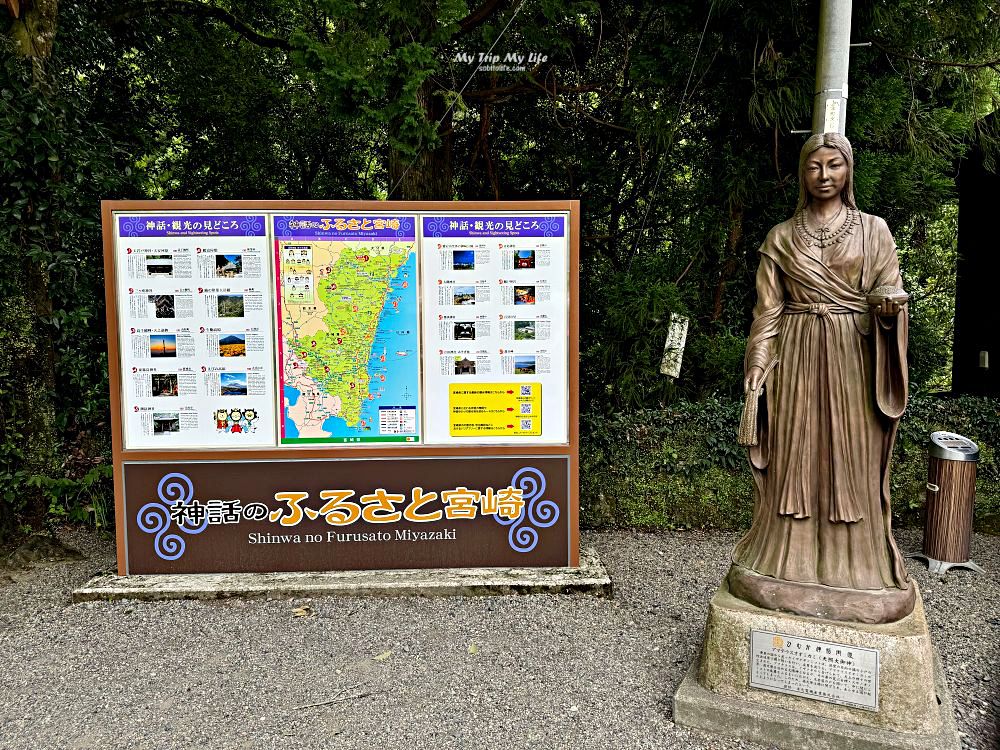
520, 671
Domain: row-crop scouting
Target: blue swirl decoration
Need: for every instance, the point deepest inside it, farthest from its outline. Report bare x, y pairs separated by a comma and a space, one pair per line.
550, 226
436, 226
537, 513
281, 227
131, 226
405, 228
154, 518
252, 226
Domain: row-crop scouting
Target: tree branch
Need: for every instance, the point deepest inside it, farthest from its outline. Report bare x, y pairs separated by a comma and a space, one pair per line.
530, 87
554, 95
187, 7
479, 16
941, 63
492, 93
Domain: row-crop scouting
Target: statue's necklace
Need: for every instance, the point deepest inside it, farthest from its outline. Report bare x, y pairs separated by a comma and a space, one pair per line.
824, 236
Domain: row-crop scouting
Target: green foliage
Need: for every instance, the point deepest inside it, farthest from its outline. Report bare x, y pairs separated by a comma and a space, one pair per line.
976, 418
716, 359
669, 121
684, 159
636, 305
681, 467
55, 165
928, 253
218, 118
674, 468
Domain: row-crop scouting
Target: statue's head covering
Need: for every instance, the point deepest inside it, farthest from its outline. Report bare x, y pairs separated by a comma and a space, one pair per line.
831, 140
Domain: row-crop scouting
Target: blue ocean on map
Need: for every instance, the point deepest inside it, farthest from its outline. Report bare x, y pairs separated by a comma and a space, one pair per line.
292, 395
396, 340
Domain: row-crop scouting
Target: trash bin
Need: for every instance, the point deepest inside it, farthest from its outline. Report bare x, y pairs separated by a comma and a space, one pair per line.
951, 494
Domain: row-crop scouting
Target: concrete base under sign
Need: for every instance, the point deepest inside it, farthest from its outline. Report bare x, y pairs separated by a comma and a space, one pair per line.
590, 578
914, 706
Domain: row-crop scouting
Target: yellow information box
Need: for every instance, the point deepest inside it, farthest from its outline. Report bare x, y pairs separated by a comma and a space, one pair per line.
495, 409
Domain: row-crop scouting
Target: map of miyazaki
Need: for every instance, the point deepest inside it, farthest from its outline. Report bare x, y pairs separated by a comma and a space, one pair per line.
349, 351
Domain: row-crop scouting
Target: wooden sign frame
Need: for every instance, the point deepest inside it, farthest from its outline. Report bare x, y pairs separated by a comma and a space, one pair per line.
123, 456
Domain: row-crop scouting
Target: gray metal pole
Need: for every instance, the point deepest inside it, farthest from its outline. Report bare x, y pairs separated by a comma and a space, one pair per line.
833, 55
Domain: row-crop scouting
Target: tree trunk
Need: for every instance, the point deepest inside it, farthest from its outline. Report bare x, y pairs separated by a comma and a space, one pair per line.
34, 31
428, 174
733, 243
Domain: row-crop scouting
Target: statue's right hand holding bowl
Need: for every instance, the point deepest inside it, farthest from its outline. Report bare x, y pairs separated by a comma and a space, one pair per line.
887, 302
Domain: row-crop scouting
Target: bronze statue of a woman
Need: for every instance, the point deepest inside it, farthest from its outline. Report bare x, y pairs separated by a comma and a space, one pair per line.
827, 350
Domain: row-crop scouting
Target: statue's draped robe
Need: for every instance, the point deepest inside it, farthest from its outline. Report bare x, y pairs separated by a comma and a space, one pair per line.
833, 401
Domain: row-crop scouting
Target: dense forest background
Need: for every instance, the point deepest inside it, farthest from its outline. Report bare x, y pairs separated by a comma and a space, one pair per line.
671, 122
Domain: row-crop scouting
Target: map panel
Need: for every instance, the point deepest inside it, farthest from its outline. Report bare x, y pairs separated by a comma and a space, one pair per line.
348, 347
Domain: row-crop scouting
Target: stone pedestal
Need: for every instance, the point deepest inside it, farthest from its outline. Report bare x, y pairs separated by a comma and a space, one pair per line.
914, 707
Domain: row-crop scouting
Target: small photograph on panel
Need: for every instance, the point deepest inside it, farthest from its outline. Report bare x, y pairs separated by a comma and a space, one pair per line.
465, 331
464, 295
524, 259
524, 295
229, 266
163, 384
524, 330
230, 305
524, 364
233, 383
163, 345
160, 266
233, 345
163, 304
165, 422
465, 366
463, 260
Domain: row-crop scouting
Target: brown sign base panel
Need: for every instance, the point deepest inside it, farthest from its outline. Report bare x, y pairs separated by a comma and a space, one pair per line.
229, 519
336, 508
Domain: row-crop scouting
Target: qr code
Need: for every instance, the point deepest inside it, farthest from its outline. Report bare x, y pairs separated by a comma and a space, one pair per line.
525, 390
526, 408
525, 424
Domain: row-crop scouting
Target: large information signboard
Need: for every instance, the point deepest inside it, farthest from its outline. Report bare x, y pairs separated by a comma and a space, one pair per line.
343, 385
